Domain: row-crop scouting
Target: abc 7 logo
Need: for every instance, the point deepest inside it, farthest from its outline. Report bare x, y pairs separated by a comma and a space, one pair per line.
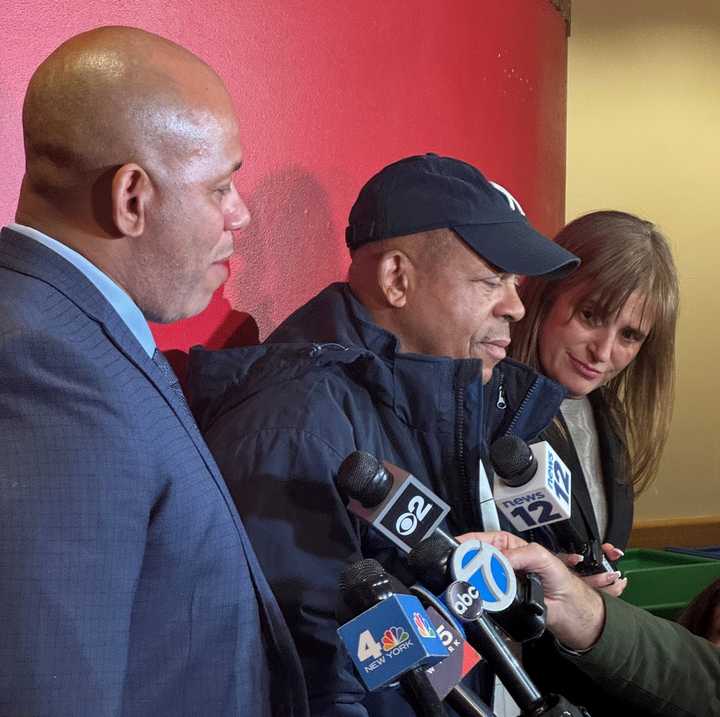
485, 568
464, 600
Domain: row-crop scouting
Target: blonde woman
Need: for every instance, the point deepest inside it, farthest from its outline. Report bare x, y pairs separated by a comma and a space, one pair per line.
607, 333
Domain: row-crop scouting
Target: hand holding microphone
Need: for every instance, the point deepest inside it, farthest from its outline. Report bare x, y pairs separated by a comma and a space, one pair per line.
405, 511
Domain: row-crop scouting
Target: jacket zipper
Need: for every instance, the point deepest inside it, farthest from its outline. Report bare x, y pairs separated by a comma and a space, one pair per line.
317, 349
501, 403
468, 493
460, 433
519, 412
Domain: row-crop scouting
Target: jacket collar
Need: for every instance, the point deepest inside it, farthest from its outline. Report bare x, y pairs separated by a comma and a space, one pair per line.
420, 388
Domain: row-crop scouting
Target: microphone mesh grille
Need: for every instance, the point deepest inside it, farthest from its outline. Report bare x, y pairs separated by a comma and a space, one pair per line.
428, 561
357, 479
509, 456
360, 573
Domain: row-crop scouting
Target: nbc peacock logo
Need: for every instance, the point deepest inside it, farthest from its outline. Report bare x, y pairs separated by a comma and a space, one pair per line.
423, 626
394, 636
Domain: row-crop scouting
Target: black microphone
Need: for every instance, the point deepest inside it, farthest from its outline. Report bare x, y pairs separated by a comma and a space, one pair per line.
464, 601
521, 614
534, 490
431, 563
365, 585
390, 499
363, 479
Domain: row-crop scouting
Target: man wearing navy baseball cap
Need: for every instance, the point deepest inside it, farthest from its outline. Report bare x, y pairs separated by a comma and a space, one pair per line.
405, 361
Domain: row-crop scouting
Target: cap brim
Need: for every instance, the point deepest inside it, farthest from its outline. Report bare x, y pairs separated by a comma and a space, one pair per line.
516, 248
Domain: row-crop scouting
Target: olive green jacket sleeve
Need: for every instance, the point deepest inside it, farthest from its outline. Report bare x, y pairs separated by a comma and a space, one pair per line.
652, 664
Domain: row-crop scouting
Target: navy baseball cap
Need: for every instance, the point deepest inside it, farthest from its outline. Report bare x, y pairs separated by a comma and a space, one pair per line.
425, 192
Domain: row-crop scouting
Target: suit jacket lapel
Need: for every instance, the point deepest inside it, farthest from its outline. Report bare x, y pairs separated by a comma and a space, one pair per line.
27, 256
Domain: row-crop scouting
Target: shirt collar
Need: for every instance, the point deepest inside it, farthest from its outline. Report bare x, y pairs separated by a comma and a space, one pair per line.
118, 298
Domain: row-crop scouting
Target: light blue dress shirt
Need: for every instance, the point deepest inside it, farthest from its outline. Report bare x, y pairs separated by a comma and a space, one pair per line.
118, 298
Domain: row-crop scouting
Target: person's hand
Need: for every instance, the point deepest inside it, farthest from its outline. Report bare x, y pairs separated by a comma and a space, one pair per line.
575, 612
611, 552
501, 539
611, 583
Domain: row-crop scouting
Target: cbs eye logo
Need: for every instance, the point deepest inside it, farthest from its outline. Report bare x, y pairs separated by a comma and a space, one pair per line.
417, 511
411, 514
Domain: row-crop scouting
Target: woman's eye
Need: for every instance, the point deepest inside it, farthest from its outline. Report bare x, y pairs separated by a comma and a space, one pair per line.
224, 189
632, 335
589, 316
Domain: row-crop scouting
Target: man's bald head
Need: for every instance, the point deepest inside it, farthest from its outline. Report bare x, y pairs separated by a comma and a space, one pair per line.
132, 143
112, 96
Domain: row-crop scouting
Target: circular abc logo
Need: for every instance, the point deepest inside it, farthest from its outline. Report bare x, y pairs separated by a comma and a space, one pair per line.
485, 568
464, 601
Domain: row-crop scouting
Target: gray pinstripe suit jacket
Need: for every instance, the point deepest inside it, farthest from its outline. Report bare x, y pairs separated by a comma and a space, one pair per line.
127, 582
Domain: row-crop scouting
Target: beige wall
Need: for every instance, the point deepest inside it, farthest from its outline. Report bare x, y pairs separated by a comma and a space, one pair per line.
644, 136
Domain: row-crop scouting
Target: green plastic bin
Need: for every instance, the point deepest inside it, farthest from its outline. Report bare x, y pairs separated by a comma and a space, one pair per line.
663, 582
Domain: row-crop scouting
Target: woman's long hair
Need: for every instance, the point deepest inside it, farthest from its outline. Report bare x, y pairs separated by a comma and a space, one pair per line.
620, 254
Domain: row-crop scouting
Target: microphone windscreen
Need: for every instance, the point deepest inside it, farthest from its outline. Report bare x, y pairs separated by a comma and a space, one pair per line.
362, 585
360, 573
513, 460
428, 561
363, 477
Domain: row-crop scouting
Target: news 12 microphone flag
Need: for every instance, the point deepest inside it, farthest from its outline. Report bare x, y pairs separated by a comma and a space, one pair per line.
544, 499
391, 638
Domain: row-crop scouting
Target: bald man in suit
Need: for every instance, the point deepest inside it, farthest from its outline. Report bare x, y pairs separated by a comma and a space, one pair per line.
129, 586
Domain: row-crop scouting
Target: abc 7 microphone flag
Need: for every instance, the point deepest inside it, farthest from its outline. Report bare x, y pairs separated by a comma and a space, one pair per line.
487, 571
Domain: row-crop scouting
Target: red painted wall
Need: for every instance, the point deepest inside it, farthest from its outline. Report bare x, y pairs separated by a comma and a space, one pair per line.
329, 91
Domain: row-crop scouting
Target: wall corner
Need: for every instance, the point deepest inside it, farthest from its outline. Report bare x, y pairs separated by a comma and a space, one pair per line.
564, 8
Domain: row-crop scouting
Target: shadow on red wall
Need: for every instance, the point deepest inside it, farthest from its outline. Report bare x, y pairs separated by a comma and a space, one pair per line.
266, 279
268, 282
272, 279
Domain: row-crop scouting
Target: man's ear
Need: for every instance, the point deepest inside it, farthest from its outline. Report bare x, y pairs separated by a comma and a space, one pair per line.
394, 277
131, 192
